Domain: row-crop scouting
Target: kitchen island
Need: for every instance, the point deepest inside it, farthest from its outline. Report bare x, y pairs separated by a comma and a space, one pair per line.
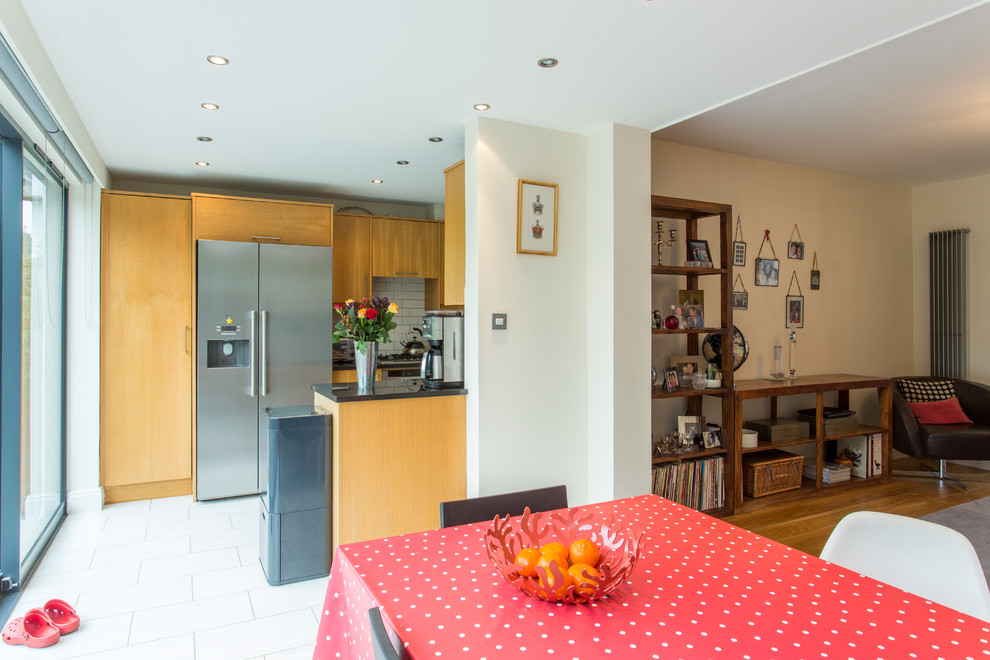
396, 455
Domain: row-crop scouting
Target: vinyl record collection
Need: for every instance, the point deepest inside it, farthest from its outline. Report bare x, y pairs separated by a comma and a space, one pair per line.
696, 483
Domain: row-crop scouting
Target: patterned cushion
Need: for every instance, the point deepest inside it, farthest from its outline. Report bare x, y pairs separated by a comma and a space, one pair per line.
915, 391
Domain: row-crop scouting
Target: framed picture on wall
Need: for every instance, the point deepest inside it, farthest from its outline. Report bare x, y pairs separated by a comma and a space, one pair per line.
795, 311
536, 225
767, 272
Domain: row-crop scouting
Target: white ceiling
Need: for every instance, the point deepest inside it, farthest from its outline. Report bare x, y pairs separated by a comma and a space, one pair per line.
322, 96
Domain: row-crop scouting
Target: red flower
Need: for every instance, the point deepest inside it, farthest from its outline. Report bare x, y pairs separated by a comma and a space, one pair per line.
371, 315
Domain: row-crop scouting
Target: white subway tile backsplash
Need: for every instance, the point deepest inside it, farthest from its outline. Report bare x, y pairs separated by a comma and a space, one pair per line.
410, 296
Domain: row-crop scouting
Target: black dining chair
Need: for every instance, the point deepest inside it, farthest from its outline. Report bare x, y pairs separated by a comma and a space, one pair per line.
478, 509
379, 636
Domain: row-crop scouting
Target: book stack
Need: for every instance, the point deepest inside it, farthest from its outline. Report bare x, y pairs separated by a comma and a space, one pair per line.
697, 483
864, 452
832, 473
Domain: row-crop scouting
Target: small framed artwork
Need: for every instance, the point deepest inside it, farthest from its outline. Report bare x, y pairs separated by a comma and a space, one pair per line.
711, 440
740, 300
697, 250
795, 311
816, 280
670, 381
690, 297
795, 250
694, 317
536, 228
690, 426
687, 365
767, 272
738, 253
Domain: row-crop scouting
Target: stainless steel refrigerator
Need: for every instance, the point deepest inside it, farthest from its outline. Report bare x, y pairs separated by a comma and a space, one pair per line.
263, 338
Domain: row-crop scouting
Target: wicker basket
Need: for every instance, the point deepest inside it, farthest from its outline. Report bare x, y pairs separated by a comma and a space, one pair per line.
772, 471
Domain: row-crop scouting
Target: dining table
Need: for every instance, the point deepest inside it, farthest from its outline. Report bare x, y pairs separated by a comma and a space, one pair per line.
702, 588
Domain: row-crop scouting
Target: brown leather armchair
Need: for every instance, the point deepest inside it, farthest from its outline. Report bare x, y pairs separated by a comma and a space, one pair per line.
942, 442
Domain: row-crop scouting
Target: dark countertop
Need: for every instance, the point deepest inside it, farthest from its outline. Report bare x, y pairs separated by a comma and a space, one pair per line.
384, 389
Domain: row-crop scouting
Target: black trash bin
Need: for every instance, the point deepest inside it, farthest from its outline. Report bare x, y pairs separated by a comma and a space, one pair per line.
295, 508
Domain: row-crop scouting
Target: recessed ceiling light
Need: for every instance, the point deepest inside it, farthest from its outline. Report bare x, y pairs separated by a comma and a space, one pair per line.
482, 106
402, 162
377, 181
436, 139
219, 60
209, 106
202, 163
548, 62
204, 138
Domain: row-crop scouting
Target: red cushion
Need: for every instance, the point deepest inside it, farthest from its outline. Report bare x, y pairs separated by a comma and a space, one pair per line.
945, 411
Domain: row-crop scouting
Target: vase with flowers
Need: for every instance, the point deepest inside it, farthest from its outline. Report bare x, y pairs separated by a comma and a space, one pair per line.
367, 323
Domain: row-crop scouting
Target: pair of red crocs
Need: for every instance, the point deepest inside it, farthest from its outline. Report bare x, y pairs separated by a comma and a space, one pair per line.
42, 626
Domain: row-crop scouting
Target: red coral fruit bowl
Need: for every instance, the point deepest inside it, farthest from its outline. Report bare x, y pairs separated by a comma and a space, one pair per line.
507, 536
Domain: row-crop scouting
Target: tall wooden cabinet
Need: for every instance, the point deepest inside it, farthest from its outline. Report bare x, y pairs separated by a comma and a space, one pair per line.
146, 338
452, 270
717, 319
351, 257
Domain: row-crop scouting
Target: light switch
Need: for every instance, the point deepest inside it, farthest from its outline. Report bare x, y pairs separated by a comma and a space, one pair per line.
499, 321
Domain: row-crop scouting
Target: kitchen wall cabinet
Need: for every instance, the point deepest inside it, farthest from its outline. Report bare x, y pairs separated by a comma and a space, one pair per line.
351, 257
223, 218
403, 247
452, 265
146, 345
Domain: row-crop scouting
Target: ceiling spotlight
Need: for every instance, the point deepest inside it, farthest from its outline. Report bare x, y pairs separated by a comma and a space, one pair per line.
219, 60
436, 139
202, 163
402, 162
209, 106
548, 62
377, 181
482, 106
204, 138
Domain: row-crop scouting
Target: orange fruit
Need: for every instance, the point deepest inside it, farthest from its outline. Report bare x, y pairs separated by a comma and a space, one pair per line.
577, 572
527, 558
558, 585
556, 548
584, 551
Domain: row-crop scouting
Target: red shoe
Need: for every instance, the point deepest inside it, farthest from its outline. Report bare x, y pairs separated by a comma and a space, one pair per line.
62, 615
33, 630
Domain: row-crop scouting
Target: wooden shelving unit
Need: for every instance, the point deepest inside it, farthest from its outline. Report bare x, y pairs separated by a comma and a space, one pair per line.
693, 212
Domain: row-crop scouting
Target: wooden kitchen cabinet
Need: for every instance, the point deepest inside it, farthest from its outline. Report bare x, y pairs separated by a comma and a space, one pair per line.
403, 247
452, 276
146, 346
351, 257
223, 218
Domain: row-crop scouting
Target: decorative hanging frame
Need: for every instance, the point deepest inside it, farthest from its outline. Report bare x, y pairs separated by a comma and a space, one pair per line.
738, 245
795, 249
816, 275
794, 312
767, 270
740, 299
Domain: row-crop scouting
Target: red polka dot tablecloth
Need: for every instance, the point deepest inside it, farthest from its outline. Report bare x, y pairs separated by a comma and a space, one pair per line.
702, 589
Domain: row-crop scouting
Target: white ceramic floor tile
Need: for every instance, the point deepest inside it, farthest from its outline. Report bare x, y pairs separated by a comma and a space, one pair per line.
127, 507
166, 547
31, 598
289, 597
194, 616
223, 539
101, 539
102, 577
145, 518
134, 597
217, 507
196, 562
171, 648
172, 502
246, 519
228, 581
213, 524
75, 524
300, 653
266, 635
93, 637
249, 554
70, 560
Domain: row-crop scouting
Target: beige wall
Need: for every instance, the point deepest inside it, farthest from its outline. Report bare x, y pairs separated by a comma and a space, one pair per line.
964, 203
861, 320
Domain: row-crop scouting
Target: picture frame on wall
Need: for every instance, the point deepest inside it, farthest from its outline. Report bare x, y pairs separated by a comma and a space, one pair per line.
536, 224
816, 280
767, 272
740, 300
738, 253
795, 311
795, 250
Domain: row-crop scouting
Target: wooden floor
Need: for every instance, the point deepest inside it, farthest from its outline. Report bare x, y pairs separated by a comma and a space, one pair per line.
805, 523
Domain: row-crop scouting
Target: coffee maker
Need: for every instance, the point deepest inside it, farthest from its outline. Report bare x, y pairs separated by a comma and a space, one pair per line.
443, 363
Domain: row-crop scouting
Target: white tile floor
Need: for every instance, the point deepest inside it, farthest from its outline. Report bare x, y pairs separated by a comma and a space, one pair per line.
171, 578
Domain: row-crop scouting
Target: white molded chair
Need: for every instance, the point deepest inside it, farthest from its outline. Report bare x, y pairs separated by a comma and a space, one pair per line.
924, 558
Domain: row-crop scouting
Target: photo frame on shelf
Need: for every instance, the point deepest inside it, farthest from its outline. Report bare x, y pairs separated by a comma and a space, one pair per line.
767, 272
694, 317
795, 311
671, 383
536, 225
698, 250
711, 440
687, 365
691, 426
690, 297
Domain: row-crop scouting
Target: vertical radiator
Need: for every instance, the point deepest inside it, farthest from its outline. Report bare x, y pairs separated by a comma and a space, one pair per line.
947, 258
